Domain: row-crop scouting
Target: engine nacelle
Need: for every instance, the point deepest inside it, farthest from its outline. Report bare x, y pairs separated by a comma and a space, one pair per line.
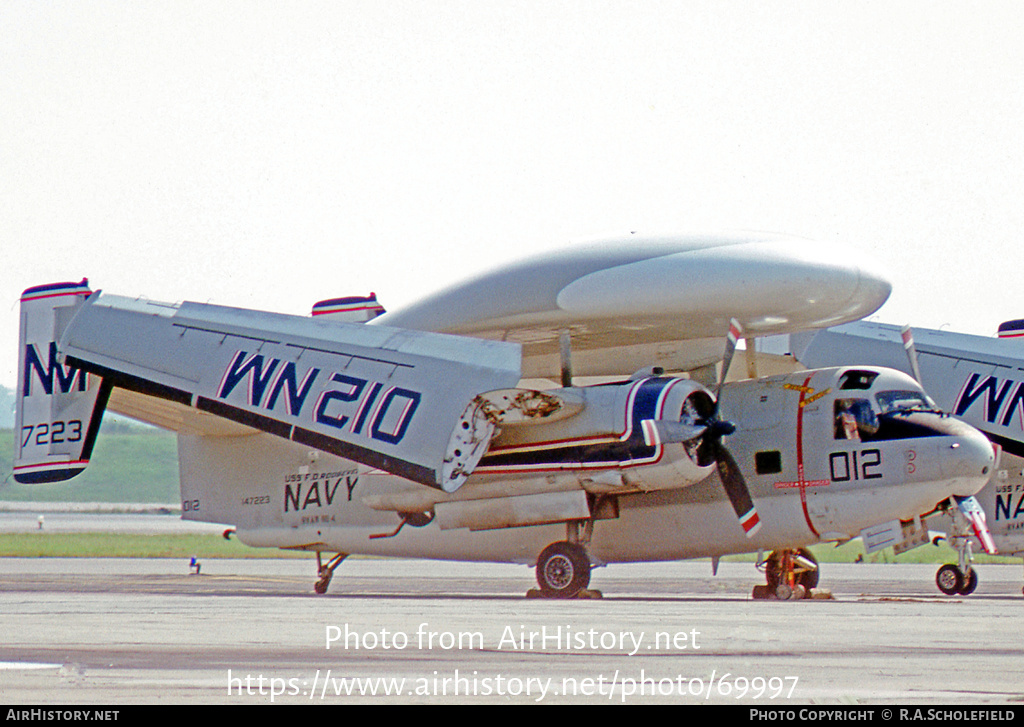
634, 435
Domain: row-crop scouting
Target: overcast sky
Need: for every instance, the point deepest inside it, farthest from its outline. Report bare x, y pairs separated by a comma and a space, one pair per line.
271, 154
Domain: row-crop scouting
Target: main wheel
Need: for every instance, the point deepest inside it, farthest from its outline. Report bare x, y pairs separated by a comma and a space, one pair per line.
949, 579
969, 584
563, 570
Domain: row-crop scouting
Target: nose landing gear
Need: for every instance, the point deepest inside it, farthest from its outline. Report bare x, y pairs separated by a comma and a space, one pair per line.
961, 578
790, 575
953, 581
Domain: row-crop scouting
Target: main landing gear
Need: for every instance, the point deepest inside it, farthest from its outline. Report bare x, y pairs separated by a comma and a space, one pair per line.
563, 568
326, 572
790, 575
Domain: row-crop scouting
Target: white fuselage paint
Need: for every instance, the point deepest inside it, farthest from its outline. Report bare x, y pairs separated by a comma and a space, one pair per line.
278, 494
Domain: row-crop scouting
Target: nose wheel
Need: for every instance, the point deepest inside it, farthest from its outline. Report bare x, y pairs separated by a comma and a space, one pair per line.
952, 581
961, 578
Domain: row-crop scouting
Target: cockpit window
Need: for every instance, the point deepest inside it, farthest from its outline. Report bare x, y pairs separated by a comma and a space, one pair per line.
854, 419
897, 415
857, 380
895, 402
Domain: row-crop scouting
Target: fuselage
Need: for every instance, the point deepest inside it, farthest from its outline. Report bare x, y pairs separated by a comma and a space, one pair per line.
811, 478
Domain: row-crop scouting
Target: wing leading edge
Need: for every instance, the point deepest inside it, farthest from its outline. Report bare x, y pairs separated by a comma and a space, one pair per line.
384, 397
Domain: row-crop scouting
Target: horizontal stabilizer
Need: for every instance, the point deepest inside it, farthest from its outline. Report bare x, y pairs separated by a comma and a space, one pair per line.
380, 396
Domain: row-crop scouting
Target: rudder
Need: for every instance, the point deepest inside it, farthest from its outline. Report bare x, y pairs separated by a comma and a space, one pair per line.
59, 408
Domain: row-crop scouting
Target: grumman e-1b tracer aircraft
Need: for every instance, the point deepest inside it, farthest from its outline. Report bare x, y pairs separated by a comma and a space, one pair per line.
979, 380
459, 428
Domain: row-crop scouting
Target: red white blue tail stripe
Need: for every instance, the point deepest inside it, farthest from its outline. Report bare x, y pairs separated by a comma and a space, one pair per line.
55, 290
365, 307
1012, 329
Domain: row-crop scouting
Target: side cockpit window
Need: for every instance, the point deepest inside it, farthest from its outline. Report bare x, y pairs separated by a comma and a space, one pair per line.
854, 419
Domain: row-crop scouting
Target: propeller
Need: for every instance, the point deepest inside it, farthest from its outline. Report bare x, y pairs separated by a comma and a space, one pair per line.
709, 429
735, 487
732, 478
908, 345
731, 339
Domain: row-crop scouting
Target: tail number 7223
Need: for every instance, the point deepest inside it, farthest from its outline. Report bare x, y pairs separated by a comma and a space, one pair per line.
52, 433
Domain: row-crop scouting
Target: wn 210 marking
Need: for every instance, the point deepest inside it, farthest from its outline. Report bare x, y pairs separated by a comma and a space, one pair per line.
992, 393
347, 403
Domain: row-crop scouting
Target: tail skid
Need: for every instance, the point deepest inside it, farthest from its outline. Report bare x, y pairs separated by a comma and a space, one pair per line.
59, 408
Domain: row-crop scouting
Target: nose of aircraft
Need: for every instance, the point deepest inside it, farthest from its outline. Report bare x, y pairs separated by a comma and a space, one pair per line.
969, 460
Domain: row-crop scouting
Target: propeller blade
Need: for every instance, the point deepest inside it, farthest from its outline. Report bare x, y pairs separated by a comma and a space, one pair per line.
734, 335
911, 349
736, 489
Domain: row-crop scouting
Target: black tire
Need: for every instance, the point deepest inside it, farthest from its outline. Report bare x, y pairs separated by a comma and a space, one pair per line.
563, 570
809, 578
773, 567
970, 583
773, 571
949, 579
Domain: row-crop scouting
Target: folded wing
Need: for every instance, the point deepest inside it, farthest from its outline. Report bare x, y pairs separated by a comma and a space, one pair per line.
384, 397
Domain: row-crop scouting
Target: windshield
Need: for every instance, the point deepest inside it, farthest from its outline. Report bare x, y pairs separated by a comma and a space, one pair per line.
896, 402
893, 418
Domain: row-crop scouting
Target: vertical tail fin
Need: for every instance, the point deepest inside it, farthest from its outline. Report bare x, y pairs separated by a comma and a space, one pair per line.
1012, 329
353, 309
59, 408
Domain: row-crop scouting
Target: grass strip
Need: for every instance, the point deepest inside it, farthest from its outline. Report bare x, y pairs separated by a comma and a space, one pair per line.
131, 545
